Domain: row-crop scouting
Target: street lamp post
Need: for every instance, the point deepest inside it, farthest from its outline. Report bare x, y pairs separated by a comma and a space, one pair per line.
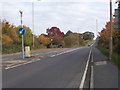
33, 21
110, 32
21, 12
96, 27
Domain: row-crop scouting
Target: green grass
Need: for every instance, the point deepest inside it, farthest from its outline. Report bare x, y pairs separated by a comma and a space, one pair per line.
115, 56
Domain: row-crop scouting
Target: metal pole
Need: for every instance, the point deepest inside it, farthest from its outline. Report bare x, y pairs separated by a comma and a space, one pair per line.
96, 27
79, 37
33, 20
110, 42
22, 35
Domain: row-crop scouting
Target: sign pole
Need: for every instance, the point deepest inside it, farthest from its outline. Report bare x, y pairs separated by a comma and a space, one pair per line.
23, 45
21, 12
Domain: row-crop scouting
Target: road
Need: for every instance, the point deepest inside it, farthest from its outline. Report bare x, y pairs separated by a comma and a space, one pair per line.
19, 55
61, 71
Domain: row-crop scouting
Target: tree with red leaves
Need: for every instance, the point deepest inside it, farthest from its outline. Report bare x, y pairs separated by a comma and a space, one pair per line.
55, 32
56, 35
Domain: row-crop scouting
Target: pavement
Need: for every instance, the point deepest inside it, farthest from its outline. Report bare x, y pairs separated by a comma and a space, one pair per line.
105, 73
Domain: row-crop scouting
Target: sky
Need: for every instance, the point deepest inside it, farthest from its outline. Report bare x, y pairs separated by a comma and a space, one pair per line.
75, 15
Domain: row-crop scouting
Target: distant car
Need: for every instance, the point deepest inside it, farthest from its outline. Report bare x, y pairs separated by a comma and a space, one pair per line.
48, 46
89, 45
60, 46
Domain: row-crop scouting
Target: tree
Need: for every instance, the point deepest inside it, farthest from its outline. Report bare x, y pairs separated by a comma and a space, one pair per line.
88, 36
56, 35
55, 32
43, 39
104, 37
68, 33
73, 39
6, 40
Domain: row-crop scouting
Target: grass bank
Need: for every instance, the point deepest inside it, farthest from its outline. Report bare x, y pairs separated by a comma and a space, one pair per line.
115, 56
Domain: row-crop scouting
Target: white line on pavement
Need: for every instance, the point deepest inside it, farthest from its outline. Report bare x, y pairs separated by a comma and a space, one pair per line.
33, 60
85, 72
22, 64
64, 52
53, 56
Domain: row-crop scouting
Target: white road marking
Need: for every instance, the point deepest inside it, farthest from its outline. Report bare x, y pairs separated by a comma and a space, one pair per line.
100, 63
64, 52
33, 60
53, 56
36, 54
22, 64
85, 72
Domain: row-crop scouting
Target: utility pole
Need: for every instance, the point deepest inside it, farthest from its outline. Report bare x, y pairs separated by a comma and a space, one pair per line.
21, 12
110, 33
78, 37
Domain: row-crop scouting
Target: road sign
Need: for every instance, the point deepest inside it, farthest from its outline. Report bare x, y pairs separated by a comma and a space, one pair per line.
117, 19
21, 31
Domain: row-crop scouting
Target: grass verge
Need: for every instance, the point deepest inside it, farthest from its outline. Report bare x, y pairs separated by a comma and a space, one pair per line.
115, 56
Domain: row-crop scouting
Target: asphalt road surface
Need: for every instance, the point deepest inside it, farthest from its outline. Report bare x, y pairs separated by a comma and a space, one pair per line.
62, 71
19, 55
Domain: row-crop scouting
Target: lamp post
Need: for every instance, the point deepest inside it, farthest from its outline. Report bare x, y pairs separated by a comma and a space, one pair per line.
110, 33
33, 20
21, 12
97, 27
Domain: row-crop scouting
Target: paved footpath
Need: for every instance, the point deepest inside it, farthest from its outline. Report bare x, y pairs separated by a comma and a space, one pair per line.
105, 73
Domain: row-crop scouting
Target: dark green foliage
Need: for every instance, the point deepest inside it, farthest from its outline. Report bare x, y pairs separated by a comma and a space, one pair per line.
88, 36
75, 39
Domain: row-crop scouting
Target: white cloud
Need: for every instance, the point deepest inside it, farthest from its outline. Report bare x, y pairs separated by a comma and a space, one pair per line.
56, 0
66, 15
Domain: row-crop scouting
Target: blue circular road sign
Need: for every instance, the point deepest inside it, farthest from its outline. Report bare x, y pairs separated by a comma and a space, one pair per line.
21, 31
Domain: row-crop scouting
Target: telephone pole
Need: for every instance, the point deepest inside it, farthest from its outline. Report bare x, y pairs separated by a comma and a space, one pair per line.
110, 33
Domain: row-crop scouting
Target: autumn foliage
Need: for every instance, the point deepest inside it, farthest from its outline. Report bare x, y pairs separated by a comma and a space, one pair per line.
56, 36
104, 37
11, 41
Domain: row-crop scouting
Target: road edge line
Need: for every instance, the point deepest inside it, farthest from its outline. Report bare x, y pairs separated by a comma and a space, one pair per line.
85, 72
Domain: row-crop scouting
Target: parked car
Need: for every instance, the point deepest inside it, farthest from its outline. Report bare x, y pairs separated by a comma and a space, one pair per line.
89, 45
60, 46
48, 45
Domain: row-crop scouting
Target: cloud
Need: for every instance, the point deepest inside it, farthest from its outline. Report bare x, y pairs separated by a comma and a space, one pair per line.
67, 15
57, 0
